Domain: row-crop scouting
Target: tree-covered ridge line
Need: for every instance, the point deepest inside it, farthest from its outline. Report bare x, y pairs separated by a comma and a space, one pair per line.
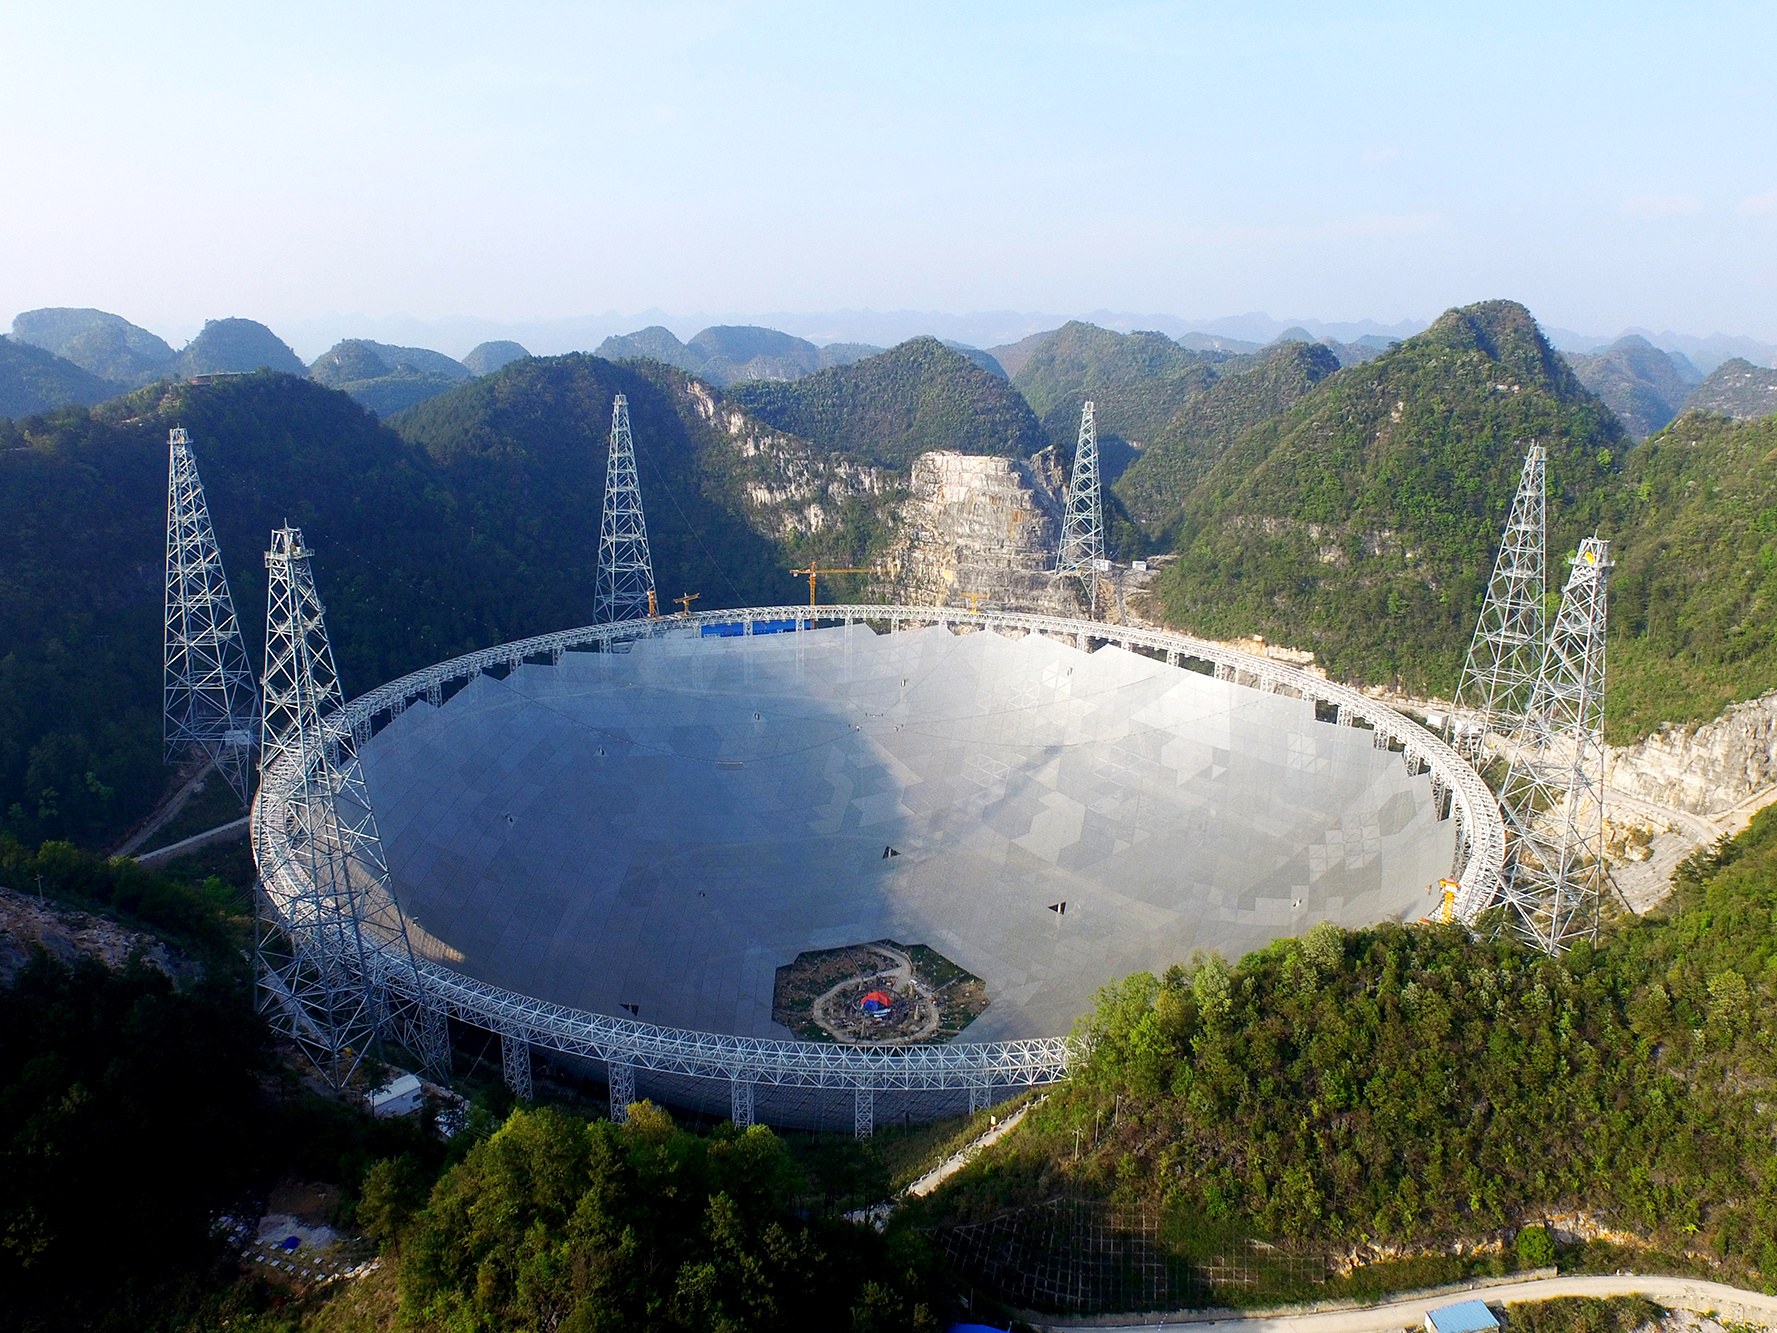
1361, 522
466, 522
1398, 1088
890, 408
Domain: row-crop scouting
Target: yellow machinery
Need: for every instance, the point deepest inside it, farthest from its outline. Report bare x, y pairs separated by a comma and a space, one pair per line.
685, 600
814, 571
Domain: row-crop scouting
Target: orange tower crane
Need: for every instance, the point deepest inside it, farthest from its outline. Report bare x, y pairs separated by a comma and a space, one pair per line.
814, 571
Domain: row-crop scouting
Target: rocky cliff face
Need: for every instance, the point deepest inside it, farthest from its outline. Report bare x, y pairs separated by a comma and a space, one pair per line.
979, 530
790, 488
1707, 770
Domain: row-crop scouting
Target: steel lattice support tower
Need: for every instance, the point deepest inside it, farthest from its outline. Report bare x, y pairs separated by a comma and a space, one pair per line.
336, 971
1082, 531
211, 702
1507, 651
625, 573
1553, 795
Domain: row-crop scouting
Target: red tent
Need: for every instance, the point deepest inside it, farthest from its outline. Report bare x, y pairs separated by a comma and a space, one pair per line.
877, 1002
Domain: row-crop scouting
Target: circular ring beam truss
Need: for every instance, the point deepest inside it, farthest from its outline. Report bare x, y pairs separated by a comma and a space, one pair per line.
748, 1060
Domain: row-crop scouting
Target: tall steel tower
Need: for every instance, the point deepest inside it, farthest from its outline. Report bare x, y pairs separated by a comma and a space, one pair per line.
625, 573
211, 703
1082, 531
336, 970
1553, 795
1507, 650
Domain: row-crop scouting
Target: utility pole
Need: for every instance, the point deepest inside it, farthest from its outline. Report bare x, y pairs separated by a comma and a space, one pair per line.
210, 701
1506, 653
625, 588
1553, 796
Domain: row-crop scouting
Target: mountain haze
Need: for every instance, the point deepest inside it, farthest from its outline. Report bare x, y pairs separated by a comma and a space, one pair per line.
105, 345
727, 354
1643, 385
1736, 389
385, 378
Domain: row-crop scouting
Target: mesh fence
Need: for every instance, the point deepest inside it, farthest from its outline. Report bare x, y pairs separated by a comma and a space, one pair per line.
1094, 1256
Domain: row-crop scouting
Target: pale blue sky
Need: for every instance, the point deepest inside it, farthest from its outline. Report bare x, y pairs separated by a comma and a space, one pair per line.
1610, 165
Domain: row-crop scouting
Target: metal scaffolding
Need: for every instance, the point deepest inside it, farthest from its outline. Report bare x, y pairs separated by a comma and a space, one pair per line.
1500, 672
336, 973
1553, 796
625, 572
211, 702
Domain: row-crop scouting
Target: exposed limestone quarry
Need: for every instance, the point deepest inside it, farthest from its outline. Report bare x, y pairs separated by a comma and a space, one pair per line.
980, 529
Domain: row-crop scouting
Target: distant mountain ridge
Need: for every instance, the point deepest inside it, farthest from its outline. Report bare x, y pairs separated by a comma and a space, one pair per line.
384, 378
33, 379
1736, 389
728, 354
1643, 385
236, 346
99, 342
893, 406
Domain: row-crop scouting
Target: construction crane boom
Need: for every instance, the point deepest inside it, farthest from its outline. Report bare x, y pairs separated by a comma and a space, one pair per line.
815, 570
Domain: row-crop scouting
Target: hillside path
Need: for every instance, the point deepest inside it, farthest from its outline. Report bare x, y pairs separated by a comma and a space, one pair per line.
1391, 1316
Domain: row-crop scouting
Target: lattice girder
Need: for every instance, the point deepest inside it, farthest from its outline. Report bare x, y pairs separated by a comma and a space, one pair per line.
210, 699
625, 588
1553, 795
1500, 670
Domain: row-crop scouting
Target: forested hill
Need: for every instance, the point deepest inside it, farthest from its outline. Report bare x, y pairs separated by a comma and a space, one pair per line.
479, 527
1137, 381
1208, 422
890, 408
1694, 596
1362, 522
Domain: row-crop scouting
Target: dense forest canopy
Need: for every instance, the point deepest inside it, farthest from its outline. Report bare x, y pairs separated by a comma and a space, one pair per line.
485, 531
893, 407
1361, 523
1407, 1086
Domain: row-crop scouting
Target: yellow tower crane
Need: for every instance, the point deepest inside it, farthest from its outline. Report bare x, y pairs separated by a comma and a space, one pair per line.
685, 601
814, 571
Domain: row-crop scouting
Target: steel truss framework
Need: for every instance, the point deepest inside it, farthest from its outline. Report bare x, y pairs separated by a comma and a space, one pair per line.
336, 973
1506, 653
1082, 532
987, 1070
625, 572
211, 701
1553, 795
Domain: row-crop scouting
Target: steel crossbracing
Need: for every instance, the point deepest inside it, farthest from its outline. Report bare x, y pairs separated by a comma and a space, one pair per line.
1553, 795
981, 1067
625, 573
211, 700
1506, 653
336, 973
1082, 532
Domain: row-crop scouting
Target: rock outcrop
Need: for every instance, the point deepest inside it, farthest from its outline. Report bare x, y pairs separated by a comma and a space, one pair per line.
1707, 770
979, 530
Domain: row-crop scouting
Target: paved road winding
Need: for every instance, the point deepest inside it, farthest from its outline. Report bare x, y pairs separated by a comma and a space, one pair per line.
1392, 1316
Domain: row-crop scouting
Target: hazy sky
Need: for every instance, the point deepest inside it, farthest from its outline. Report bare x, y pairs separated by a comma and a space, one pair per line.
1609, 165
